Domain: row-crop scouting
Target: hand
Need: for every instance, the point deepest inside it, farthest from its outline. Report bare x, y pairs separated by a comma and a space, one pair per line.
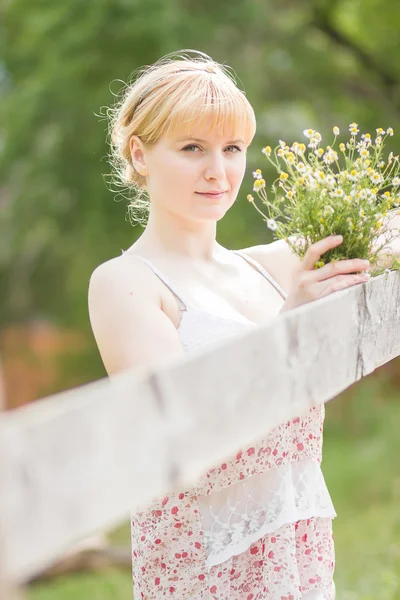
310, 284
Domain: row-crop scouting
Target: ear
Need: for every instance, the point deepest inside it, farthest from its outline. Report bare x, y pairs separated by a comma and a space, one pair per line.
136, 148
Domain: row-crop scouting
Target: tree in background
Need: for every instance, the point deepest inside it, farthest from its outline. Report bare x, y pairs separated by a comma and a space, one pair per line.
310, 63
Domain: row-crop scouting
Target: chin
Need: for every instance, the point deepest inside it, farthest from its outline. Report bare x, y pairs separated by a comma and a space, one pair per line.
215, 213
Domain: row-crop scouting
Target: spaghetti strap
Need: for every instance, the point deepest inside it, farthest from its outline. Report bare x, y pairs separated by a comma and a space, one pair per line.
262, 270
161, 276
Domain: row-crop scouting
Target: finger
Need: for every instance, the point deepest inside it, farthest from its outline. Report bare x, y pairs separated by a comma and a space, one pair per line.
342, 282
316, 250
340, 267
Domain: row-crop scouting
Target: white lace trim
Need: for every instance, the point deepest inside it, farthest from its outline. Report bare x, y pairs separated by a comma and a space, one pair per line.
239, 515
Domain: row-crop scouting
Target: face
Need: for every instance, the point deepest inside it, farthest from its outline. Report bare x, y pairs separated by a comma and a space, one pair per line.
196, 174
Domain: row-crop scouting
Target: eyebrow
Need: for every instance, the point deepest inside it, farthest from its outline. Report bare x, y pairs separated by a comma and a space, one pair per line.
205, 141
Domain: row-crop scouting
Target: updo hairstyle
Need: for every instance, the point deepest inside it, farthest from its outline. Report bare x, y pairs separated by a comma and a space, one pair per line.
175, 91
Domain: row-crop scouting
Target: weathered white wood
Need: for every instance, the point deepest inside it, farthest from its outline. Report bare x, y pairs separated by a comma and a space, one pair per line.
8, 592
77, 462
7, 589
82, 448
234, 393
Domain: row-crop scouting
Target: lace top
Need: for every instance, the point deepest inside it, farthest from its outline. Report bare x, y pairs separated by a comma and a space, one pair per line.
275, 481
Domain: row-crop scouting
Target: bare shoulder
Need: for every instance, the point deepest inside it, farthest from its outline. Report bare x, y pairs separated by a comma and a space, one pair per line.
120, 278
127, 317
278, 259
122, 273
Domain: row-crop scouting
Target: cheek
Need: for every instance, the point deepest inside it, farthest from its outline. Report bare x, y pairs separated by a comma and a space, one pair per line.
177, 168
174, 178
237, 171
166, 171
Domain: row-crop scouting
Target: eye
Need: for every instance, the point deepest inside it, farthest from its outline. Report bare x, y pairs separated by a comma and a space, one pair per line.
234, 148
190, 147
194, 147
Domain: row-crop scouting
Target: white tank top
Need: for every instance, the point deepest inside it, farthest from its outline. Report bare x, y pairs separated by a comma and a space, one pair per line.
283, 481
200, 328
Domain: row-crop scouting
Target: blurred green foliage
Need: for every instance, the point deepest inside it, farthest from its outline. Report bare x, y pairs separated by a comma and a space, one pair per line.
303, 63
310, 63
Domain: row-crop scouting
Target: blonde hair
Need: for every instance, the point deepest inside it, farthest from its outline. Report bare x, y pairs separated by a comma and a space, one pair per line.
175, 91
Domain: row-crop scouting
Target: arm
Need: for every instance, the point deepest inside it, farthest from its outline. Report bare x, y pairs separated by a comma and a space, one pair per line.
392, 223
388, 243
127, 320
281, 262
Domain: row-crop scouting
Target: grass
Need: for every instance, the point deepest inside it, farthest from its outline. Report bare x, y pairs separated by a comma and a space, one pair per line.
362, 469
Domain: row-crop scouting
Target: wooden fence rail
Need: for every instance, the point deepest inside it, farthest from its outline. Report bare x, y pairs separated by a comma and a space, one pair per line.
77, 462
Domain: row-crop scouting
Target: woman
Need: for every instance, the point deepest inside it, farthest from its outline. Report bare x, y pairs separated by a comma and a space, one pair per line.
257, 526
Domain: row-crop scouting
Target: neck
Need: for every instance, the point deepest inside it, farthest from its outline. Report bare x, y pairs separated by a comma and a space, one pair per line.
184, 239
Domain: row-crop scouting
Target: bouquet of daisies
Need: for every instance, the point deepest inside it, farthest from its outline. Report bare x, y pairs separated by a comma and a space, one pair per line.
352, 191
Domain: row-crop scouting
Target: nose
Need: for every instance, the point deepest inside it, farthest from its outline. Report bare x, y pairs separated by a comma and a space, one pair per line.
215, 167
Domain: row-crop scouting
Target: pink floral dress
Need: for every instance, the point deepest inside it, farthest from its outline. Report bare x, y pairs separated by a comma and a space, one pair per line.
256, 527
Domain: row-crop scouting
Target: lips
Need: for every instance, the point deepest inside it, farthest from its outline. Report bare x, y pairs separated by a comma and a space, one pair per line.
212, 193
